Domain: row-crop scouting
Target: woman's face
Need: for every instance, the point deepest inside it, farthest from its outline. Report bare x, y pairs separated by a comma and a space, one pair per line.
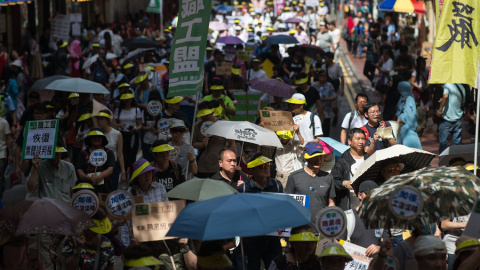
145, 179
103, 122
390, 82
127, 102
96, 141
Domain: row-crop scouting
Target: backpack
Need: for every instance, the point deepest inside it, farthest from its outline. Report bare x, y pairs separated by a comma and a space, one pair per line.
312, 123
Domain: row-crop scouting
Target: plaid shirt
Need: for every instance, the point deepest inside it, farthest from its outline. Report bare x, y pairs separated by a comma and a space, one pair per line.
156, 193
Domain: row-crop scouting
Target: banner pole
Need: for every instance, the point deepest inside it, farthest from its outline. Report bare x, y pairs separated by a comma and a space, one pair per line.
476, 134
193, 127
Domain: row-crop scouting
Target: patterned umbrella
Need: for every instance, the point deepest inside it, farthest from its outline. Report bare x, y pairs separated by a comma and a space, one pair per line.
273, 87
408, 6
45, 215
447, 192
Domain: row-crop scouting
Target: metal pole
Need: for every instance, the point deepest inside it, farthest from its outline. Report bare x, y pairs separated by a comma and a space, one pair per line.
193, 127
476, 134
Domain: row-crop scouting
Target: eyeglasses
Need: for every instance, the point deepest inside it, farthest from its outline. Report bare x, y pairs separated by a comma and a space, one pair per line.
394, 169
376, 112
177, 130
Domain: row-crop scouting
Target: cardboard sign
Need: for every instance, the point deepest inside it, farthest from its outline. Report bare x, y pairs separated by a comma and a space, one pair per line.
331, 222
103, 202
120, 203
98, 157
277, 120
244, 56
86, 201
40, 138
163, 126
360, 260
472, 229
224, 68
174, 153
154, 107
152, 221
405, 202
203, 128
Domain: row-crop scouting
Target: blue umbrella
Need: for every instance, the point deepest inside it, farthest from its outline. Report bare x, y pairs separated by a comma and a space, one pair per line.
338, 147
281, 39
239, 215
224, 9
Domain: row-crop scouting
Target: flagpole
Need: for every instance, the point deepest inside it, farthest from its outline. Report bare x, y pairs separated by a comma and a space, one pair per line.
193, 126
476, 133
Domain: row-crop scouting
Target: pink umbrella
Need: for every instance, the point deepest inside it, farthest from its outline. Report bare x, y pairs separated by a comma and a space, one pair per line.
230, 40
294, 20
273, 87
218, 26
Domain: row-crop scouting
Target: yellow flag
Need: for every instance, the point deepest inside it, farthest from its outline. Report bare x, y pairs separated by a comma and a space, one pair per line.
457, 43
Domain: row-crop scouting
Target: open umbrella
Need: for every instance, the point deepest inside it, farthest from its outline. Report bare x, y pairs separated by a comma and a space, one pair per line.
198, 189
408, 6
94, 58
77, 85
44, 215
338, 147
465, 151
412, 158
230, 40
273, 87
312, 50
223, 9
218, 26
239, 215
139, 42
281, 39
446, 192
294, 20
133, 55
244, 131
42, 83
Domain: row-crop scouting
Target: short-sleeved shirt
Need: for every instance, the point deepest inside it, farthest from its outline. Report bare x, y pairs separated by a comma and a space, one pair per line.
83, 162
4, 131
55, 182
156, 193
237, 176
326, 91
226, 99
295, 66
378, 144
357, 121
307, 129
172, 177
324, 41
129, 118
208, 160
319, 187
182, 156
311, 96
250, 186
87, 255
452, 110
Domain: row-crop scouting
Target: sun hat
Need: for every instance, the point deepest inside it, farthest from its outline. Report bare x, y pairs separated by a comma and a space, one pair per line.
205, 112
60, 149
428, 244
334, 249
303, 237
177, 123
162, 148
141, 78
258, 161
141, 166
127, 95
83, 185
313, 149
17, 63
103, 114
173, 100
73, 95
84, 117
285, 134
103, 226
297, 98
124, 85
95, 132
127, 66
366, 186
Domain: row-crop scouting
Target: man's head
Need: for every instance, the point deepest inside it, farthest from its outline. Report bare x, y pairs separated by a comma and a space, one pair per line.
205, 111
365, 188
227, 160
161, 151
430, 252
329, 57
33, 98
372, 112
356, 139
218, 55
296, 103
256, 64
390, 169
301, 80
331, 25
216, 88
360, 101
285, 136
314, 154
39, 111
259, 164
334, 256
323, 27
59, 150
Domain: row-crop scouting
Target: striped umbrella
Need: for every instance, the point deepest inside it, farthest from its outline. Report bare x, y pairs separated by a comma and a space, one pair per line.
408, 6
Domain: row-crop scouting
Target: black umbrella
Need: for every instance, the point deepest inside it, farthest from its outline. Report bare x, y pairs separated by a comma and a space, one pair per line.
281, 39
41, 84
139, 42
136, 54
311, 50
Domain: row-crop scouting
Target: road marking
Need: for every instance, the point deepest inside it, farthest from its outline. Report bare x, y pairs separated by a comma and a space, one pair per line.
349, 93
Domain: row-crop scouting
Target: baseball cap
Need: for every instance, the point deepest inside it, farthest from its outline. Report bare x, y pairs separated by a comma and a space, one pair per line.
313, 149
297, 98
366, 186
428, 244
177, 123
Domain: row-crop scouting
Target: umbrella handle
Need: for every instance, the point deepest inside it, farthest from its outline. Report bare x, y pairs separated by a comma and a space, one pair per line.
129, 229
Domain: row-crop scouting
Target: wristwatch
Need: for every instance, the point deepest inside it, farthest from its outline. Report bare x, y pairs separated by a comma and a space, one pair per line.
185, 249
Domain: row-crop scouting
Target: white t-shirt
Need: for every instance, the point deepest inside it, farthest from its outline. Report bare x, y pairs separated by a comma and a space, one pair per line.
129, 118
335, 35
112, 138
334, 72
251, 75
4, 130
388, 65
357, 122
355, 165
306, 131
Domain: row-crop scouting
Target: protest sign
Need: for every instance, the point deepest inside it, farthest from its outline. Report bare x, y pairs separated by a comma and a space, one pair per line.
174, 153
98, 157
163, 126
360, 260
120, 203
472, 229
277, 120
60, 25
151, 221
331, 221
244, 55
40, 138
86, 201
188, 48
103, 202
405, 202
303, 199
203, 128
154, 107
224, 69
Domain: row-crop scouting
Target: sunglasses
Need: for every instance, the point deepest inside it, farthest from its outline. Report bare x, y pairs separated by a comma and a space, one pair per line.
391, 170
177, 130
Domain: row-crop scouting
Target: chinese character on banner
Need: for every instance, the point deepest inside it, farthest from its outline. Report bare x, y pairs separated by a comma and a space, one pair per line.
456, 47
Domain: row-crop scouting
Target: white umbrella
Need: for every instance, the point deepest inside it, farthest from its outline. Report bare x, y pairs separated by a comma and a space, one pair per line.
465, 151
244, 131
94, 58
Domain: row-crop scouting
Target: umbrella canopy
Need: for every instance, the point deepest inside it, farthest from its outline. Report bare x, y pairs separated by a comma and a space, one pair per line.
94, 58
44, 215
447, 192
77, 85
338, 147
223, 9
465, 151
244, 131
230, 40
281, 39
133, 55
273, 87
312, 50
42, 83
139, 42
198, 189
408, 6
293, 20
218, 26
412, 158
242, 214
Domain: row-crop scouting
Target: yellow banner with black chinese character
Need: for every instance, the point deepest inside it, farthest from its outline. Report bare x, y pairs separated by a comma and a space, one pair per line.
456, 47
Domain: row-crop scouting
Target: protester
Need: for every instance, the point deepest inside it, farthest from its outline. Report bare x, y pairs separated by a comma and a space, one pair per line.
169, 173
288, 158
186, 154
228, 173
334, 256
311, 127
355, 118
373, 141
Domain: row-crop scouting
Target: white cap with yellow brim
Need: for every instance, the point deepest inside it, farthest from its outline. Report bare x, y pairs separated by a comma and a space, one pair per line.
297, 99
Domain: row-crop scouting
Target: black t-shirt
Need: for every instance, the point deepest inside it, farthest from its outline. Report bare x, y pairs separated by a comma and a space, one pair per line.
311, 96
211, 68
172, 177
379, 144
83, 162
250, 186
295, 66
239, 175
